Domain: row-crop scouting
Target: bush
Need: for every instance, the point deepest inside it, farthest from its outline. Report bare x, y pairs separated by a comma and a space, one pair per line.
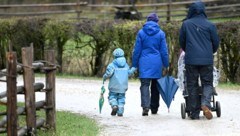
90, 43
229, 33
57, 33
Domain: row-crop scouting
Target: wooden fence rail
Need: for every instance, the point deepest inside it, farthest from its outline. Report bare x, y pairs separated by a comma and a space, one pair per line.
10, 117
169, 10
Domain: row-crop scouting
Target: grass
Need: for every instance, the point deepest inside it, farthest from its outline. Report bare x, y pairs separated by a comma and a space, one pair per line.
70, 124
225, 19
67, 124
229, 86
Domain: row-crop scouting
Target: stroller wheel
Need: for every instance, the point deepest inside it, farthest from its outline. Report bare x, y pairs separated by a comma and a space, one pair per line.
183, 110
218, 109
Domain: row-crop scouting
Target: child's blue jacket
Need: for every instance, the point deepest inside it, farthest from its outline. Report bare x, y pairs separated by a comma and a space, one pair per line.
118, 72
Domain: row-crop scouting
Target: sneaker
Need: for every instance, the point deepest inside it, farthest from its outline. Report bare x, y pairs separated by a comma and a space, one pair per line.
154, 111
206, 112
114, 110
145, 112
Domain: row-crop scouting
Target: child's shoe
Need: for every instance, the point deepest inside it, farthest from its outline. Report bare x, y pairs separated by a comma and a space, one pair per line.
120, 114
114, 110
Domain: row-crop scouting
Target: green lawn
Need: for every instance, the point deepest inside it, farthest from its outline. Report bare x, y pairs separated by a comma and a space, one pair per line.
229, 86
68, 124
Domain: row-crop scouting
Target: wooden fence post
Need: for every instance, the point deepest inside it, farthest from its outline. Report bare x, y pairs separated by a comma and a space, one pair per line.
50, 87
169, 10
78, 10
11, 94
28, 77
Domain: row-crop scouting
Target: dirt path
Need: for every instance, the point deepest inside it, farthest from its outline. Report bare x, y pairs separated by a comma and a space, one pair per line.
81, 96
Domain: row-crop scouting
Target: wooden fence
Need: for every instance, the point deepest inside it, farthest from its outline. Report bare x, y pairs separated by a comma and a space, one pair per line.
82, 10
10, 117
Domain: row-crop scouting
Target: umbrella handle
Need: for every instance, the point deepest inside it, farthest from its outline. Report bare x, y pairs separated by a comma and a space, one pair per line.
165, 71
103, 82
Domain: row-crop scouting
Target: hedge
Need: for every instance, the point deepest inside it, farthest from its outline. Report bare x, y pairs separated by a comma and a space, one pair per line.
85, 47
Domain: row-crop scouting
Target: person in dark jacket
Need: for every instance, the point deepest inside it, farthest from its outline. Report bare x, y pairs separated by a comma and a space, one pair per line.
199, 39
150, 55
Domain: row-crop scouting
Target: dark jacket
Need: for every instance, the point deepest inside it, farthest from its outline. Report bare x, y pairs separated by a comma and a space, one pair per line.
198, 36
150, 52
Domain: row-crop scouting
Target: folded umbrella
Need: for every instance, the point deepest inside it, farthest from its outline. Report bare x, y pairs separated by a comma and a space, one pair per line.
101, 99
167, 88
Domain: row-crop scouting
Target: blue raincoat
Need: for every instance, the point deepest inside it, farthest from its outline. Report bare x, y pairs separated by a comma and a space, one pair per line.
150, 52
118, 72
199, 47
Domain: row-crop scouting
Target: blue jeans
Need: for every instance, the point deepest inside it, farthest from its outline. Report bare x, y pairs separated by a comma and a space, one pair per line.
117, 99
147, 101
193, 72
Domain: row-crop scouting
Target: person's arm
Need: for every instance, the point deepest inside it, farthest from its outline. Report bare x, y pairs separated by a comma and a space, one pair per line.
131, 71
164, 51
137, 51
109, 72
214, 38
182, 37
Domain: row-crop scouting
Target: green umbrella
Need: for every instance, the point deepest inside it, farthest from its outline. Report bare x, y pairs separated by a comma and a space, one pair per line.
101, 99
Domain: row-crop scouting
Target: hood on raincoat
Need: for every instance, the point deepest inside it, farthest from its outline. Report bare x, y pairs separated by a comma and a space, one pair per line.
151, 28
119, 58
196, 8
118, 53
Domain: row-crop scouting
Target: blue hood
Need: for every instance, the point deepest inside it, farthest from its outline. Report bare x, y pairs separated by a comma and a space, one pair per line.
197, 8
120, 62
151, 28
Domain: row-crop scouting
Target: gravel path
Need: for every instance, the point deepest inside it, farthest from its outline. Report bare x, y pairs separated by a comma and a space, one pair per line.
81, 96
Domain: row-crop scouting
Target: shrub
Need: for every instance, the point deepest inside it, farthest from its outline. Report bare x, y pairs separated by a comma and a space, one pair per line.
229, 33
94, 40
57, 33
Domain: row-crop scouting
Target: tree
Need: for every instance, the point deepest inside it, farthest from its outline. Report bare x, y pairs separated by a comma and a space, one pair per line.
57, 33
102, 33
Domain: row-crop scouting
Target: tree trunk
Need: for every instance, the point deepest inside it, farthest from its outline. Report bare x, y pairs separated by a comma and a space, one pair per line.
60, 52
98, 63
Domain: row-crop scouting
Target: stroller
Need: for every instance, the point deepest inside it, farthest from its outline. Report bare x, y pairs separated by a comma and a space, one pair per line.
181, 81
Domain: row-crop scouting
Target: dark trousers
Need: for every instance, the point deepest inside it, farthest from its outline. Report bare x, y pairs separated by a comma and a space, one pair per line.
147, 100
193, 73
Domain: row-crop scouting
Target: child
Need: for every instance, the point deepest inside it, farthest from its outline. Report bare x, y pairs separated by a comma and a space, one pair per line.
118, 72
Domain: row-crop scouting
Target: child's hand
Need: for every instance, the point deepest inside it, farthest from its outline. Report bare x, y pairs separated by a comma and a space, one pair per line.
132, 70
104, 78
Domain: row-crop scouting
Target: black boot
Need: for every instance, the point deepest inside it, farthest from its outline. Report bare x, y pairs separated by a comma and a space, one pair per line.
154, 111
145, 112
114, 110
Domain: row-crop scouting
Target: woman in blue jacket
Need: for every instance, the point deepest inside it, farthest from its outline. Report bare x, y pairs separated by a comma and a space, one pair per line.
150, 55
